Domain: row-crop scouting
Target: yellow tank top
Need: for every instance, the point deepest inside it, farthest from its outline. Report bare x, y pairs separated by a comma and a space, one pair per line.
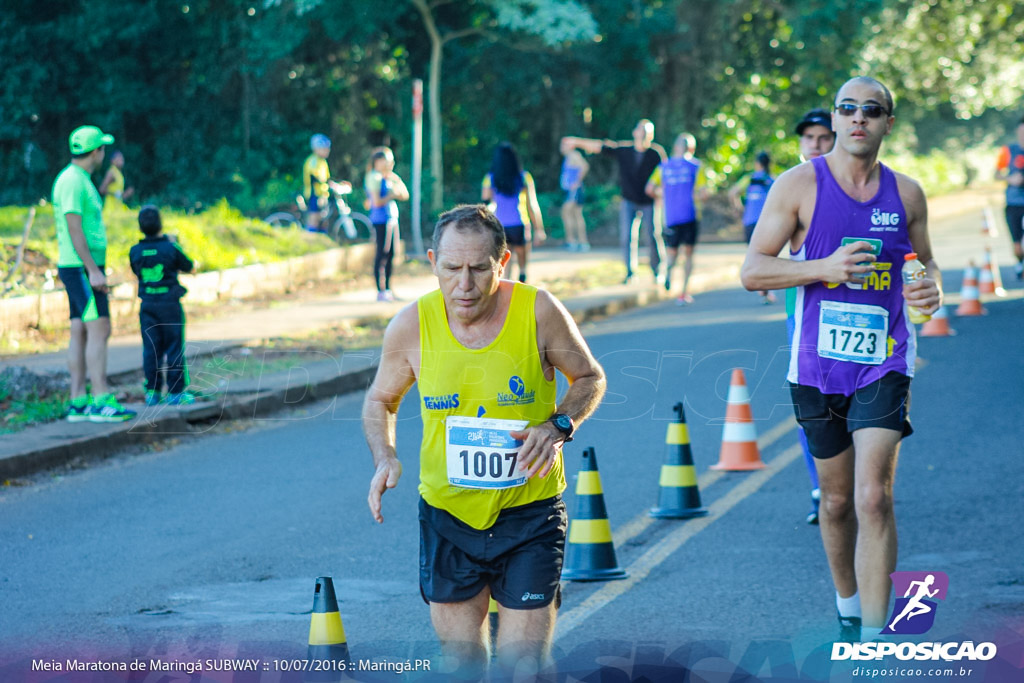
115, 190
504, 380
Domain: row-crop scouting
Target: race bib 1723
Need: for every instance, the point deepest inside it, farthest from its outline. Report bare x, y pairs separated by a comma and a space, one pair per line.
853, 332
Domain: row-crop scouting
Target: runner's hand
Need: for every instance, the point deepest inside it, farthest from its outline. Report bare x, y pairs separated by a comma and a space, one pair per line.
924, 295
386, 477
843, 264
540, 448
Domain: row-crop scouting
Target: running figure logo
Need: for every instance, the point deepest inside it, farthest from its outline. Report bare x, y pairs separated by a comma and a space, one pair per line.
914, 613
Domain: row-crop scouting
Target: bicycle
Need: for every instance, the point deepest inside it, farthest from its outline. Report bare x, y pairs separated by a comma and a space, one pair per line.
338, 220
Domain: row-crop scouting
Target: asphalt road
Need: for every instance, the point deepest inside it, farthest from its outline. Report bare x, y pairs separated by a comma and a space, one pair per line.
209, 547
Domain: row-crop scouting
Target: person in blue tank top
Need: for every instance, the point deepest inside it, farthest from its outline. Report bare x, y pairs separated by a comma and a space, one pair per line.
514, 196
676, 182
849, 220
574, 170
384, 189
1010, 167
755, 187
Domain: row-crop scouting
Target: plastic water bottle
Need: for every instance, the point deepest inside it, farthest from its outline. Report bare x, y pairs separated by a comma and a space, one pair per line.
913, 270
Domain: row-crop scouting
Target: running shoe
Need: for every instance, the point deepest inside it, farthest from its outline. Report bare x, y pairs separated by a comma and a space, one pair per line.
768, 298
812, 516
78, 413
153, 398
182, 399
382, 296
849, 629
684, 300
1019, 270
391, 295
107, 409
583, 248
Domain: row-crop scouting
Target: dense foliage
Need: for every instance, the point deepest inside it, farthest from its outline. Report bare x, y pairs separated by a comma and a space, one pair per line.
218, 98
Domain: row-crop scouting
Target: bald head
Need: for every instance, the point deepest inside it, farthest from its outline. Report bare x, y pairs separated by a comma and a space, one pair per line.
886, 100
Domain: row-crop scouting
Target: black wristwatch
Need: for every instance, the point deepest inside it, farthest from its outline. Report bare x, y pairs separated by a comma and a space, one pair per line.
563, 423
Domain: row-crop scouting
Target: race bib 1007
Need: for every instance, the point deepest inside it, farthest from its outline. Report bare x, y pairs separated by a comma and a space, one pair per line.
480, 454
857, 333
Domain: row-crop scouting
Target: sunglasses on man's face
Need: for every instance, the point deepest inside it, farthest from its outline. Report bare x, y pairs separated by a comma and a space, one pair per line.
872, 111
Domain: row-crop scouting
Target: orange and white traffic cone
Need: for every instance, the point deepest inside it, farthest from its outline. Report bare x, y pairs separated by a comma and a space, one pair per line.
970, 304
990, 282
988, 222
739, 437
938, 326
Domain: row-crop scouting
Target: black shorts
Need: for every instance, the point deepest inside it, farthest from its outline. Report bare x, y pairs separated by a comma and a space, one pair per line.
1015, 221
519, 557
515, 235
830, 419
84, 302
681, 233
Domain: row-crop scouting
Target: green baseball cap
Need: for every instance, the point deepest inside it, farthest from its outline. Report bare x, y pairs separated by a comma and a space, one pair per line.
85, 139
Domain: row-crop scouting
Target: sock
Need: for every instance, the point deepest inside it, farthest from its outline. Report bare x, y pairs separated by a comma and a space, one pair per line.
849, 607
80, 401
869, 633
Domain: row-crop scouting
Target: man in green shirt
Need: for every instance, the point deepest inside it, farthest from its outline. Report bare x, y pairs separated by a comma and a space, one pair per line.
82, 255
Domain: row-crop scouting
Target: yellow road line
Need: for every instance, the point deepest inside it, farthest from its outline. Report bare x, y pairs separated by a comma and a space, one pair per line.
639, 524
664, 548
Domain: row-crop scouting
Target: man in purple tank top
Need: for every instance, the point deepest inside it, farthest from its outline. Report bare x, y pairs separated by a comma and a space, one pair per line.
849, 221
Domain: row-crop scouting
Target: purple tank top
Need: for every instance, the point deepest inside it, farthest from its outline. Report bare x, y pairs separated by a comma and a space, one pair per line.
850, 335
678, 178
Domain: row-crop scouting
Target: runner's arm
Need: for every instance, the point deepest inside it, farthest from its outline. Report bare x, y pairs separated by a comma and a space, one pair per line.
107, 179
584, 166
533, 207
925, 294
395, 375
592, 145
398, 189
779, 222
562, 347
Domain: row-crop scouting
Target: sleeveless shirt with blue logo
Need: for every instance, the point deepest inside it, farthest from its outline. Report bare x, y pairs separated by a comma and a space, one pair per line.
836, 323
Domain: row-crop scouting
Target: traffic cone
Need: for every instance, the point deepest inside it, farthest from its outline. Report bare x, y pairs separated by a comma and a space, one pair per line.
938, 325
589, 553
739, 437
991, 281
678, 495
969, 302
326, 633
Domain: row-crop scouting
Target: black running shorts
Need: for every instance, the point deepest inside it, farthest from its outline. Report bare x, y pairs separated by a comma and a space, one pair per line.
830, 419
1015, 221
84, 302
519, 557
680, 233
515, 235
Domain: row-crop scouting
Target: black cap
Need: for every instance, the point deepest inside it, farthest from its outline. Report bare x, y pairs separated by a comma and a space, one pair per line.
815, 117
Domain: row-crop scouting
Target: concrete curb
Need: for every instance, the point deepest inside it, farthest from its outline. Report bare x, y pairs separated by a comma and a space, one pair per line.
271, 394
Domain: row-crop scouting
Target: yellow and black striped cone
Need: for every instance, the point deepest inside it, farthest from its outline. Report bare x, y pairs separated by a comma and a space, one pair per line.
678, 495
326, 634
590, 553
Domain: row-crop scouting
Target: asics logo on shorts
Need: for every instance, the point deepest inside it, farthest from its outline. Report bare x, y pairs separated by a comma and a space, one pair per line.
532, 596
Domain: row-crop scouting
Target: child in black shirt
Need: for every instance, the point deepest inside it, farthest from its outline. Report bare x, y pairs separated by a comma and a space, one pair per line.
157, 260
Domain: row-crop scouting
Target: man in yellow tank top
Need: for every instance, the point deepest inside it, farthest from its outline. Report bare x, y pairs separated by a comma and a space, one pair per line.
484, 352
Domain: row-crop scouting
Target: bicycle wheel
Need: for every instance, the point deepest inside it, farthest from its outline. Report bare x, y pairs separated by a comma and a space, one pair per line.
283, 219
363, 225
351, 227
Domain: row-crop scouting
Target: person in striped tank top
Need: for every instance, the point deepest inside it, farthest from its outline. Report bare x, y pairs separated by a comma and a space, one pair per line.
849, 220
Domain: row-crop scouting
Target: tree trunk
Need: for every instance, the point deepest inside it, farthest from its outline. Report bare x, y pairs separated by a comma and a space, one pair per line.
436, 141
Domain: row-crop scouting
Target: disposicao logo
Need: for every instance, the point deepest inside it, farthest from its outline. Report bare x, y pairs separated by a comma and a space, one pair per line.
914, 614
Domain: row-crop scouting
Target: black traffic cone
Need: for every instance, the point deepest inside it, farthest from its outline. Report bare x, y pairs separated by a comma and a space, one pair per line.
678, 496
589, 553
327, 645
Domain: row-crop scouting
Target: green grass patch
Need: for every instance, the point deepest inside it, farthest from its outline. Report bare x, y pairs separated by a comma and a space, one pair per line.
22, 412
218, 238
